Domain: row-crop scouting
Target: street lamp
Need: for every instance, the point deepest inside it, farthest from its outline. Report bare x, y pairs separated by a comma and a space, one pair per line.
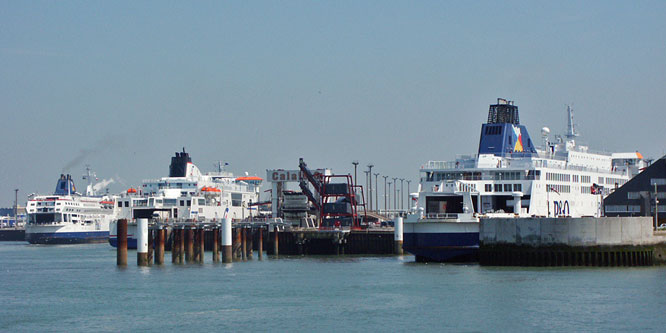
376, 206
409, 195
355, 163
402, 190
366, 184
395, 200
385, 177
389, 196
370, 184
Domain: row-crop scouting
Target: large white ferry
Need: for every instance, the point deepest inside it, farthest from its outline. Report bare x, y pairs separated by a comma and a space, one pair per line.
509, 177
67, 217
187, 194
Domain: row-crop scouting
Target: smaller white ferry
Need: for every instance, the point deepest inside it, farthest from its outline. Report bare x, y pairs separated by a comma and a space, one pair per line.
187, 194
67, 217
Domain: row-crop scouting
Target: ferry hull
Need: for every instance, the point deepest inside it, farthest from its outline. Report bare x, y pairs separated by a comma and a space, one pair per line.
131, 242
442, 241
67, 237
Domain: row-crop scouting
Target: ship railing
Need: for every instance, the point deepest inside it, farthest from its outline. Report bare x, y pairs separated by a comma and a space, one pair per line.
441, 216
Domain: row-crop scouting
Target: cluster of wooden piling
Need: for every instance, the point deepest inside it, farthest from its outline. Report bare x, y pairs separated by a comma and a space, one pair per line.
189, 241
559, 256
188, 245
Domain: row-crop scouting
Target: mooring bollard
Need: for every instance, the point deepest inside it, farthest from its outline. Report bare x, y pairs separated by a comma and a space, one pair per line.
216, 244
397, 235
142, 242
260, 246
275, 241
227, 252
121, 246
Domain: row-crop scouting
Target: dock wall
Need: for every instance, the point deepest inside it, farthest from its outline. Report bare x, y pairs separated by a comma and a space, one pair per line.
588, 241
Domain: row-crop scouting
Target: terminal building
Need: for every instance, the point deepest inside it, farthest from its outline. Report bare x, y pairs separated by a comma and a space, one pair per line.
637, 196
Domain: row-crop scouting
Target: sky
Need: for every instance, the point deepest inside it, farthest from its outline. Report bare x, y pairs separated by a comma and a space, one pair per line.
122, 85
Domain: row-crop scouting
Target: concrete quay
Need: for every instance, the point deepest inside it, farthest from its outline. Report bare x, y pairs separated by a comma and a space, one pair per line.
586, 241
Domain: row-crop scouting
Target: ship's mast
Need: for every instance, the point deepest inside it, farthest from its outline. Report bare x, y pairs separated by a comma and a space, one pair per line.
571, 130
89, 177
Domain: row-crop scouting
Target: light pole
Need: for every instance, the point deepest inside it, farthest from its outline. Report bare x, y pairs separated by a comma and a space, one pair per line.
366, 186
389, 196
656, 208
397, 197
402, 190
376, 192
395, 187
385, 200
370, 184
16, 207
409, 195
355, 163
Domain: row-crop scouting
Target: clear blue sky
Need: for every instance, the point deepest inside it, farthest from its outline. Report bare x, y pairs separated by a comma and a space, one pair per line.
122, 85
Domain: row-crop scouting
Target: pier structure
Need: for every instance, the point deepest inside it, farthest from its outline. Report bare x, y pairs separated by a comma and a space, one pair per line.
236, 241
587, 241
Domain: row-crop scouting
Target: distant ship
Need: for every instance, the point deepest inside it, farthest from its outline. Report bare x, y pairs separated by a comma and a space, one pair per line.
68, 217
187, 194
509, 177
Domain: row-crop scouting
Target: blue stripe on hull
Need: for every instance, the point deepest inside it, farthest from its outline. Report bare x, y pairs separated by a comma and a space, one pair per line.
67, 237
443, 247
131, 242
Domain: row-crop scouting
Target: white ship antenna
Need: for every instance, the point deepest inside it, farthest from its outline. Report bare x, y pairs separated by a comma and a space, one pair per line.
571, 129
89, 176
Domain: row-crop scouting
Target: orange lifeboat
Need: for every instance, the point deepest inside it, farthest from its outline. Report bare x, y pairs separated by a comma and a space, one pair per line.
131, 190
249, 178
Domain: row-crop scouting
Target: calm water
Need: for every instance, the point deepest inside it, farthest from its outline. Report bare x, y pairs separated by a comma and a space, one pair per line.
79, 288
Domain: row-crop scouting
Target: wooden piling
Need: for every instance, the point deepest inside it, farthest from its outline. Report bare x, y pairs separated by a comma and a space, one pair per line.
181, 246
227, 250
260, 246
202, 233
189, 254
216, 244
151, 245
121, 249
238, 239
159, 251
142, 242
275, 241
244, 244
250, 243
175, 247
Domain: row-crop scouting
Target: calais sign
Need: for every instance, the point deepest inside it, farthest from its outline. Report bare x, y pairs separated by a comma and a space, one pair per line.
283, 175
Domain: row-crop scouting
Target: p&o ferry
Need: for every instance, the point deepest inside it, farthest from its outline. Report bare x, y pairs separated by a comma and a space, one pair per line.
511, 176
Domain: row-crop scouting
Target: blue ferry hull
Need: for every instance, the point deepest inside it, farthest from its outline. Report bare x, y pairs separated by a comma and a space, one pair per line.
443, 246
131, 242
67, 237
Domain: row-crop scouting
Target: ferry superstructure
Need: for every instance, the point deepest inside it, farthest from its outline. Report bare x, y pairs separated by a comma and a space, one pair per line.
187, 194
67, 217
509, 177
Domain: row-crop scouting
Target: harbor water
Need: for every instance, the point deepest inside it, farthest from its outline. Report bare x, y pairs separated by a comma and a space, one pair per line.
78, 288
